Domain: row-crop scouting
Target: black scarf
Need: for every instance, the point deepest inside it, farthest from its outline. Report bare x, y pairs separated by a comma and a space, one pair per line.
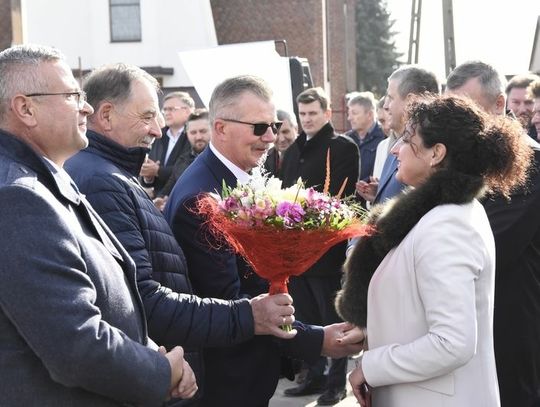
393, 221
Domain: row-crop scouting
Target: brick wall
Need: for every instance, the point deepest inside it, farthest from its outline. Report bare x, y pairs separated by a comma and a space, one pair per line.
5, 24
300, 23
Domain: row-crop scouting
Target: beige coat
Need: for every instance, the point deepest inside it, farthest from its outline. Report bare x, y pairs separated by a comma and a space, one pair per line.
430, 315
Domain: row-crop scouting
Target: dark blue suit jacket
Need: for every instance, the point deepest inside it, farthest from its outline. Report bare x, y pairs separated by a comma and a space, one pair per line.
389, 186
246, 374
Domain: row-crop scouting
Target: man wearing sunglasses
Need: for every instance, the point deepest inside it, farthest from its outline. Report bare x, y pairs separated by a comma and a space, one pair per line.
243, 119
314, 291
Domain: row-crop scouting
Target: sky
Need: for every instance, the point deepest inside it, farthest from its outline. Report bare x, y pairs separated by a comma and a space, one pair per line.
494, 31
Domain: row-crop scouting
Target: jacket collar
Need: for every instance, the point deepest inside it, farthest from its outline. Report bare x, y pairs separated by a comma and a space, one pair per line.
129, 159
218, 169
326, 132
372, 133
58, 181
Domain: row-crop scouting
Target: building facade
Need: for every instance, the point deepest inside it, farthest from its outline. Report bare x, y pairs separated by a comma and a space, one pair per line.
323, 31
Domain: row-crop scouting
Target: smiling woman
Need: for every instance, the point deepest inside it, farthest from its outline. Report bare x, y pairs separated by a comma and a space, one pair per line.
434, 249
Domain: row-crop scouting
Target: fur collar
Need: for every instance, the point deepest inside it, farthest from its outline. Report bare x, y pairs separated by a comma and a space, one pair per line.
393, 221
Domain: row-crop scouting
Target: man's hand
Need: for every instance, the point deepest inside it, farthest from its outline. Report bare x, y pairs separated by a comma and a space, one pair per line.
367, 190
183, 382
160, 202
187, 387
272, 311
333, 344
149, 170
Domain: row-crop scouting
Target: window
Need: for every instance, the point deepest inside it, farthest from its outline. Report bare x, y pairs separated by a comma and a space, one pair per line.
125, 16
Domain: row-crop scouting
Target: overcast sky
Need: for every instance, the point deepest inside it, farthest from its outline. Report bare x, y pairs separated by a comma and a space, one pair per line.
494, 31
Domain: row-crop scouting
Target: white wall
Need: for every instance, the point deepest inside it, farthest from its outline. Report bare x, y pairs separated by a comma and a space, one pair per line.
80, 28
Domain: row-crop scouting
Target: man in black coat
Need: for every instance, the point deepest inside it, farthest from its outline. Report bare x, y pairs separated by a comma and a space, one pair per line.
107, 173
158, 168
516, 228
314, 291
198, 133
520, 102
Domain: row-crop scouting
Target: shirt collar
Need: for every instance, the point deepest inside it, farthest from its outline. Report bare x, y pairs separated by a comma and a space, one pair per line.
174, 136
241, 176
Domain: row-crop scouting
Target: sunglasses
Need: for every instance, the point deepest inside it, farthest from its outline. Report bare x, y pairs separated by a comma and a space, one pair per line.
259, 129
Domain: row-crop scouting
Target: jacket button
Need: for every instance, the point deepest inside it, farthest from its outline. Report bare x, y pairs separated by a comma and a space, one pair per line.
301, 161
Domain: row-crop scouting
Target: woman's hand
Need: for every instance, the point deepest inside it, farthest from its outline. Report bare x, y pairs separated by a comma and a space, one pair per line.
358, 380
352, 335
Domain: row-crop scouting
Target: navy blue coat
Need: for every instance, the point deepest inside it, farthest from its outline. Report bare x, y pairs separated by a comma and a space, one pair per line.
107, 173
246, 374
368, 149
72, 327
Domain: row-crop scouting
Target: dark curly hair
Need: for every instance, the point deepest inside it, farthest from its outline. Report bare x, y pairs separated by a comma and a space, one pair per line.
477, 144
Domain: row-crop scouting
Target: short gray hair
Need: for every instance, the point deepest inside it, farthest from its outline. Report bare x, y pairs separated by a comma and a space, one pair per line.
113, 83
492, 82
364, 99
415, 80
283, 115
183, 96
19, 71
225, 94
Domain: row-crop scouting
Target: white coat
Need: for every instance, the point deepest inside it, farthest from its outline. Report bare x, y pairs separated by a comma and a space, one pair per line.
430, 315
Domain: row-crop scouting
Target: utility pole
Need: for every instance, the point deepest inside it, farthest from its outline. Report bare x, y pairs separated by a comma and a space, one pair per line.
449, 42
414, 36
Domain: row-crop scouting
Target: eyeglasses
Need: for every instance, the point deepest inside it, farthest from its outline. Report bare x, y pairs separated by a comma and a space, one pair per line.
81, 96
259, 129
173, 108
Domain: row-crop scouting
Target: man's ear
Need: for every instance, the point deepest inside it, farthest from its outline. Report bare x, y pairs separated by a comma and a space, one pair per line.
409, 97
25, 111
103, 116
218, 130
328, 114
500, 104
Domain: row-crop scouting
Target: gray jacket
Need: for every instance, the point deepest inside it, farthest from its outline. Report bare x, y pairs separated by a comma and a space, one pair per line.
72, 326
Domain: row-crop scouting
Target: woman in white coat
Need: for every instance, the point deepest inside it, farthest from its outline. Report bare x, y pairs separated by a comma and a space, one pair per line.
429, 270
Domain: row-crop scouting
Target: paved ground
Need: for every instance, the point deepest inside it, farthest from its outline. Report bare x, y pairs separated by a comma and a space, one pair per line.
279, 400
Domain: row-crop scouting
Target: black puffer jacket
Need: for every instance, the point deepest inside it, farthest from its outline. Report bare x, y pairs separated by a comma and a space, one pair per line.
107, 173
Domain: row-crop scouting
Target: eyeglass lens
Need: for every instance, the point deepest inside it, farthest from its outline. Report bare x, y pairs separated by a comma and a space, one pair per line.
81, 99
259, 129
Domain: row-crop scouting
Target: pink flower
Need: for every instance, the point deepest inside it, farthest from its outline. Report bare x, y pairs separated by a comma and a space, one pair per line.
290, 212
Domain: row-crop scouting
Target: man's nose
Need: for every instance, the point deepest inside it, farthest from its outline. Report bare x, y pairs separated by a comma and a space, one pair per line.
155, 128
87, 108
268, 136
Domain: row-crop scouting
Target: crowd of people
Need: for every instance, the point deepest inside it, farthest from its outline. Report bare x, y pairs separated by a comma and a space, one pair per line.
115, 292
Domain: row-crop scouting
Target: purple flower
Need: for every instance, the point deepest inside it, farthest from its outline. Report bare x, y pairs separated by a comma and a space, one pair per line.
230, 204
290, 212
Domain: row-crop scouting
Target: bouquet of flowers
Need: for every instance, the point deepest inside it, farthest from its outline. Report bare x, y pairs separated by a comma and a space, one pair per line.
281, 232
